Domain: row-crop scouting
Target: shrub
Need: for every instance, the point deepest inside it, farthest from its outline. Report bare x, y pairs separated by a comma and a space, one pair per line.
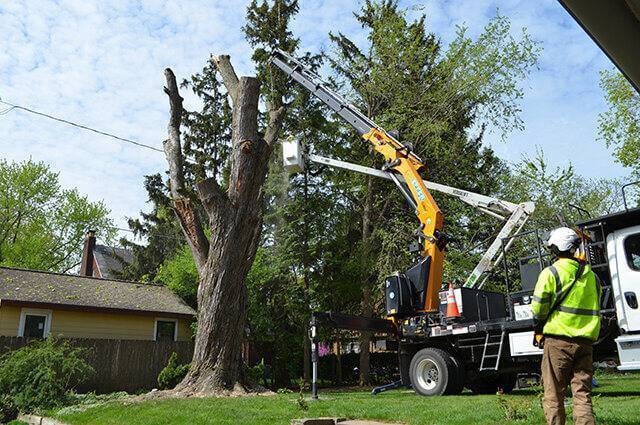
40, 374
8, 411
256, 373
515, 408
172, 374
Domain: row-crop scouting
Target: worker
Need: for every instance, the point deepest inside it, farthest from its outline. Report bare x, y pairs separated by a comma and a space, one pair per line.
566, 311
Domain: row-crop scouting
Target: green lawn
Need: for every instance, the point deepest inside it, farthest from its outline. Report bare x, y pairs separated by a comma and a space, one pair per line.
616, 402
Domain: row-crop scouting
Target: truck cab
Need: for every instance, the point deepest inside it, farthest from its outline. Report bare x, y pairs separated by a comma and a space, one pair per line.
614, 255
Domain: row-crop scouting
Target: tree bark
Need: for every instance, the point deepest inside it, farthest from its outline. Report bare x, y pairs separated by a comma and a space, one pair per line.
235, 220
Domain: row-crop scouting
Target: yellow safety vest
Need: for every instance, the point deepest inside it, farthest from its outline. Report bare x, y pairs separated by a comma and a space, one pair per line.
579, 313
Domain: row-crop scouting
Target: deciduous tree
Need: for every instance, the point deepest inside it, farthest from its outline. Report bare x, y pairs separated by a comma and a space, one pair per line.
619, 126
234, 217
42, 225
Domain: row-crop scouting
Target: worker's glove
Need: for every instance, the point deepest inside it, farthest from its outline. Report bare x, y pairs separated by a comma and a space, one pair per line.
538, 340
538, 337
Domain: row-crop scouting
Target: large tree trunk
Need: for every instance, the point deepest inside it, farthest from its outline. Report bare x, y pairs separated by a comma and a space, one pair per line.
235, 220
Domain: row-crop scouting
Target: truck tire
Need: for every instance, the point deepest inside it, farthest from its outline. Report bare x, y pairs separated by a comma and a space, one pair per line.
432, 372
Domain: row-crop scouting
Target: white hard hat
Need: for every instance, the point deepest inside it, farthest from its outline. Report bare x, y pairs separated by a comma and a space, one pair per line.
564, 239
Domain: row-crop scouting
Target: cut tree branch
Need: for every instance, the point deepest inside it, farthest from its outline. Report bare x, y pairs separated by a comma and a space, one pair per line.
182, 205
214, 199
229, 76
172, 148
275, 123
246, 143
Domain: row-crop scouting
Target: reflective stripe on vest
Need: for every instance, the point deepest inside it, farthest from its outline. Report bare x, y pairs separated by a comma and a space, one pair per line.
581, 311
564, 309
541, 300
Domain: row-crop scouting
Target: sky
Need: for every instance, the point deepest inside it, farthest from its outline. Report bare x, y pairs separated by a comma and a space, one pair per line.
101, 64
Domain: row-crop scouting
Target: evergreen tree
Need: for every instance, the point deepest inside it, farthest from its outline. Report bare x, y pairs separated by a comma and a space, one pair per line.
297, 210
405, 80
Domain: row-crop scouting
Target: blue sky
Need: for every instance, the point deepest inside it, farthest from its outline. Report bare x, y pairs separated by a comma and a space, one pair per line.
101, 64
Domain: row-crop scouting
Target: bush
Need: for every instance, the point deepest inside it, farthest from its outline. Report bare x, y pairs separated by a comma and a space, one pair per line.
172, 374
8, 411
40, 374
515, 408
256, 373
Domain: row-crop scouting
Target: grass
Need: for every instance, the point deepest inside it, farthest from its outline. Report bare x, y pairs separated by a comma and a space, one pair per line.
616, 402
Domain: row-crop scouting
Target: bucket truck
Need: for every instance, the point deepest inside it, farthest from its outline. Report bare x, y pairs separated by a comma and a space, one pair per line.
490, 342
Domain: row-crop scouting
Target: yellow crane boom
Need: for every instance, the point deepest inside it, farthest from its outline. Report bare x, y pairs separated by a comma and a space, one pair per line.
399, 159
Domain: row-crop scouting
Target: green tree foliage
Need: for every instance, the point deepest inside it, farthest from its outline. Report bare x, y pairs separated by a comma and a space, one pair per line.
172, 373
160, 230
42, 226
39, 375
434, 96
558, 192
179, 274
207, 141
297, 211
561, 196
619, 126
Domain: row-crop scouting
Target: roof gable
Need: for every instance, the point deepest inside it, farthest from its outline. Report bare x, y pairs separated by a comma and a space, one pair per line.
111, 260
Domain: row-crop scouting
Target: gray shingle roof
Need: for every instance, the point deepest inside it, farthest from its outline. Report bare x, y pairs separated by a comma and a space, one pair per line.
30, 286
111, 260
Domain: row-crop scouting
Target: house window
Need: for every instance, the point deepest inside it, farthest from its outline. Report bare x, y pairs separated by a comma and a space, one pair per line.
632, 251
34, 323
166, 330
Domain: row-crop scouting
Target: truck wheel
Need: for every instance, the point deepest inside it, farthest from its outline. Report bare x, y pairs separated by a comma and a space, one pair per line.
432, 372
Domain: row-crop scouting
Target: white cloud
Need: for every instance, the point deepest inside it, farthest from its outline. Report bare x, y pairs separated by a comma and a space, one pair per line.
101, 64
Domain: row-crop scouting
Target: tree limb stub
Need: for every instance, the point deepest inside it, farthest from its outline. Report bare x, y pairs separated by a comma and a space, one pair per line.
228, 74
246, 143
214, 200
273, 126
172, 148
183, 206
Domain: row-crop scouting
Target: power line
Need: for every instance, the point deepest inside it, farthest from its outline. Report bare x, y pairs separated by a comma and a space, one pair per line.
84, 127
140, 236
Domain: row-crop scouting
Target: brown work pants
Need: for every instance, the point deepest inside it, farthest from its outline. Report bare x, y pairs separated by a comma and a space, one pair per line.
567, 360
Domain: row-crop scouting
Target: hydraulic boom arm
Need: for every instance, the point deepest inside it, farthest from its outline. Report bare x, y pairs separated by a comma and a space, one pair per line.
513, 215
399, 160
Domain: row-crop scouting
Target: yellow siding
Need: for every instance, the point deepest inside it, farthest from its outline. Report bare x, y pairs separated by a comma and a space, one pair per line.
80, 324
84, 324
9, 320
184, 330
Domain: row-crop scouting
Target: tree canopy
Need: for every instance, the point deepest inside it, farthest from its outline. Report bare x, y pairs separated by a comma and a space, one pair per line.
42, 225
619, 126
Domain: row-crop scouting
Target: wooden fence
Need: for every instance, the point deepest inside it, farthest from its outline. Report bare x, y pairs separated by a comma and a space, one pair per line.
120, 365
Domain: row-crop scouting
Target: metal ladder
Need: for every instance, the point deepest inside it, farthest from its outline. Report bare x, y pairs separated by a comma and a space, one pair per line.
491, 358
596, 249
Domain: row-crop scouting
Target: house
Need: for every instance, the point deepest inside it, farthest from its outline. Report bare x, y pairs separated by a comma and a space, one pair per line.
39, 304
101, 260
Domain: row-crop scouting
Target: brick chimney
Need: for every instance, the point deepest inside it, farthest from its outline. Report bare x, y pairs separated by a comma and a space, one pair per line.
86, 265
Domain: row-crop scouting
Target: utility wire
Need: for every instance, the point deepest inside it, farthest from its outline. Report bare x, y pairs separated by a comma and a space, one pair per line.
84, 127
161, 235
